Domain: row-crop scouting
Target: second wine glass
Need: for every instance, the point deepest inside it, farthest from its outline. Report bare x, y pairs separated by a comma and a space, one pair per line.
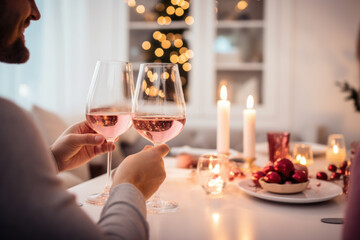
158, 113
108, 109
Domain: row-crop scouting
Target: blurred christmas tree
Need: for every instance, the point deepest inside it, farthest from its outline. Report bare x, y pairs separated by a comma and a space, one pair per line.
168, 44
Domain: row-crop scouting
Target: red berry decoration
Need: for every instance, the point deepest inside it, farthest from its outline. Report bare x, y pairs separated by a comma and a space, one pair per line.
321, 176
285, 167
341, 171
272, 177
343, 165
300, 167
335, 176
332, 168
300, 176
268, 168
256, 176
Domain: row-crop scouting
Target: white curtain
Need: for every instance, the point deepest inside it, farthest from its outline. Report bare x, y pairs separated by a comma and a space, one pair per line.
65, 45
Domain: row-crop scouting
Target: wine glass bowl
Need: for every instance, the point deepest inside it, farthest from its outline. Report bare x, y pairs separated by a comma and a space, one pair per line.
158, 112
108, 109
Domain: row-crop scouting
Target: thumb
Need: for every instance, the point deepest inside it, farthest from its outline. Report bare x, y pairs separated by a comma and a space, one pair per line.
85, 139
163, 149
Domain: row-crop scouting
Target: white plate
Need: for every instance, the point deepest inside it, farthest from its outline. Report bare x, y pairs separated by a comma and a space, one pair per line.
318, 149
312, 194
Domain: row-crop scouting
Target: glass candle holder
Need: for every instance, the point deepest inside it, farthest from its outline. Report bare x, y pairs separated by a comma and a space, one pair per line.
303, 154
213, 170
278, 145
336, 149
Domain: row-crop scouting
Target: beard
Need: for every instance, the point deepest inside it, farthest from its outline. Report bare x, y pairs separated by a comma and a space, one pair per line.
16, 53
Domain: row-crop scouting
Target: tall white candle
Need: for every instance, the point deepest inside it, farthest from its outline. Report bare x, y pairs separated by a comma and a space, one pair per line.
223, 123
249, 139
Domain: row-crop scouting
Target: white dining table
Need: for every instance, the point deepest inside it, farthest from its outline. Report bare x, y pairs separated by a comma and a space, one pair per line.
231, 215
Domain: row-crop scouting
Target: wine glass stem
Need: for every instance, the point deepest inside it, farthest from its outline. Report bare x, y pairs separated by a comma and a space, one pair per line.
156, 197
108, 171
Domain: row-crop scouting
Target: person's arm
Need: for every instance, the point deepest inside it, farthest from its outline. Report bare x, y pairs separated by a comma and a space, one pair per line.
35, 205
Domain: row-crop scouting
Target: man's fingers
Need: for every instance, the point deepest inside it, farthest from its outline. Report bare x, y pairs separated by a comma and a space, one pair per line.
163, 149
147, 147
85, 139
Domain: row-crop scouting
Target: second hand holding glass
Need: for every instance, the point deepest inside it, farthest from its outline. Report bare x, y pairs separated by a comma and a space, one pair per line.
108, 109
158, 113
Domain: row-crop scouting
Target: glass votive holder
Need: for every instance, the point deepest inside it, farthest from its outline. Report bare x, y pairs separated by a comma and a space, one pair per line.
278, 145
336, 149
302, 154
212, 171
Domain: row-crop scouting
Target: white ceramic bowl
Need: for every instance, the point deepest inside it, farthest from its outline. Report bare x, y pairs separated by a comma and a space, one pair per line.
283, 188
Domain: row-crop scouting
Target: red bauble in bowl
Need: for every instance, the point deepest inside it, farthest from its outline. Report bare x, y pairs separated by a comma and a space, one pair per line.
285, 167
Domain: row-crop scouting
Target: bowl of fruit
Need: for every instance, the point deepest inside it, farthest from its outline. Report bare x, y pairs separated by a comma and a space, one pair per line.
282, 177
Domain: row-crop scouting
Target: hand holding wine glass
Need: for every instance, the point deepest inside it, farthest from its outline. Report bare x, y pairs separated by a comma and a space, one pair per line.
158, 112
108, 110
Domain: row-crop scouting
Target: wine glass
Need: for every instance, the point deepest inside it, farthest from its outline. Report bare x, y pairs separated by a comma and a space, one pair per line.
108, 109
158, 113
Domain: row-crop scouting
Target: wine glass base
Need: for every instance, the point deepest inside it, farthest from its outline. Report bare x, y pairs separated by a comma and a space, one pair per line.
161, 206
98, 199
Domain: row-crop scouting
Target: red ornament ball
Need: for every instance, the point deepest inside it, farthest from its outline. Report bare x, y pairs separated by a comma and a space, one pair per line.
332, 168
300, 176
285, 167
322, 176
272, 177
335, 176
256, 176
268, 168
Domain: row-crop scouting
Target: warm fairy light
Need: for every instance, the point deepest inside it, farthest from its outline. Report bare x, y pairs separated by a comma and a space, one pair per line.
336, 149
189, 20
157, 35
215, 217
178, 36
165, 75
185, 5
175, 2
131, 3
166, 44
174, 58
303, 161
162, 37
154, 77
187, 67
146, 45
160, 7
153, 91
183, 50
159, 52
149, 74
223, 92
170, 10
147, 91
157, 61
161, 94
242, 5
250, 102
216, 169
140, 9
178, 43
179, 11
170, 36
189, 53
167, 20
161, 20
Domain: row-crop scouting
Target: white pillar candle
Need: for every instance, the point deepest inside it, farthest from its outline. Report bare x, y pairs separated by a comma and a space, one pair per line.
249, 139
223, 123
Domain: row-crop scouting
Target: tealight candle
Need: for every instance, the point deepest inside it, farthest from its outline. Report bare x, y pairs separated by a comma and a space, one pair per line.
302, 154
249, 139
223, 123
336, 151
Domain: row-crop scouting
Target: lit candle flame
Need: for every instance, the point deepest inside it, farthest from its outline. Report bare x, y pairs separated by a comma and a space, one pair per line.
223, 93
250, 102
303, 161
215, 217
335, 149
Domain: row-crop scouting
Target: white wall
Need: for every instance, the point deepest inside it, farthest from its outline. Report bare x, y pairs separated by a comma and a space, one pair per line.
325, 34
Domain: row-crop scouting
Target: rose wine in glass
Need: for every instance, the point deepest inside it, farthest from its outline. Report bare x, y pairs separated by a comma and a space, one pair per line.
158, 113
108, 109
